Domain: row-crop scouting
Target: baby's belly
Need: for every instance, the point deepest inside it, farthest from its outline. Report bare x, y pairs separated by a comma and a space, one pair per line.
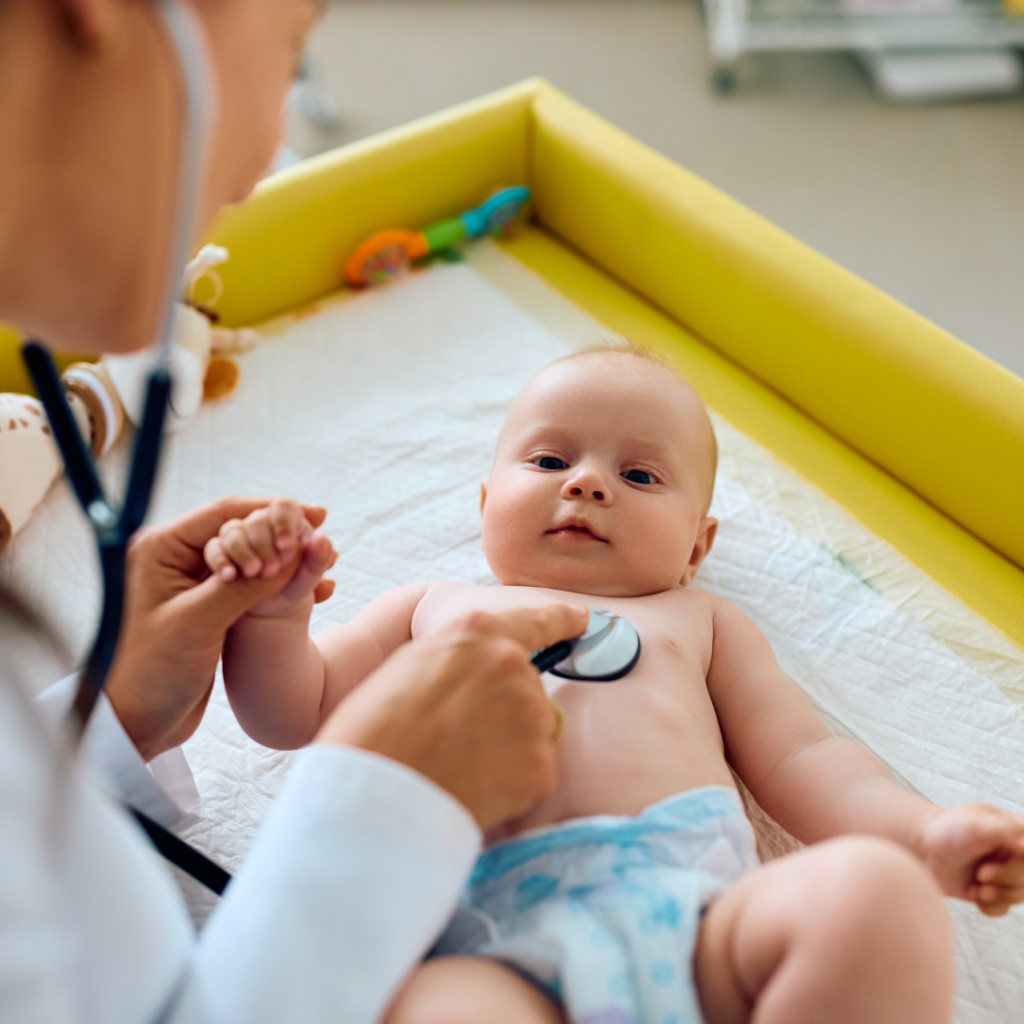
628, 745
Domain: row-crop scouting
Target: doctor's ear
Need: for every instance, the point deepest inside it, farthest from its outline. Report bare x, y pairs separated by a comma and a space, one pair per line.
483, 495
706, 533
96, 26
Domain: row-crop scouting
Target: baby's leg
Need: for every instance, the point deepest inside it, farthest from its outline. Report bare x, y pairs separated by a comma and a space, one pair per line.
851, 930
461, 990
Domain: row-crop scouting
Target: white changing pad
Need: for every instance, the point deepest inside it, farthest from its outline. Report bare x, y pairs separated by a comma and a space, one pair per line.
385, 406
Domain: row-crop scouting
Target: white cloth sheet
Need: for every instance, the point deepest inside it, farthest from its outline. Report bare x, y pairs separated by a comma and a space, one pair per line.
385, 406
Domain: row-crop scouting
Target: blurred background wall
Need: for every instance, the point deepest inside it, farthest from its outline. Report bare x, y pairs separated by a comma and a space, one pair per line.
924, 200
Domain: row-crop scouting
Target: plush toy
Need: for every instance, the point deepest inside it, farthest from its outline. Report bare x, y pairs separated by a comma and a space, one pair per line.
103, 394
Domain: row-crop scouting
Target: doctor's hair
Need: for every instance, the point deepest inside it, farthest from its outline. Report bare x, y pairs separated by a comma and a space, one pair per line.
625, 347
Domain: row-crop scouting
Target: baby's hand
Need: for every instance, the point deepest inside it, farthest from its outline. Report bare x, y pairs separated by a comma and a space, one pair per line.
268, 540
977, 853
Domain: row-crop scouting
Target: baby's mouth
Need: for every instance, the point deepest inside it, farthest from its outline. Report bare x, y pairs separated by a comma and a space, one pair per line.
578, 531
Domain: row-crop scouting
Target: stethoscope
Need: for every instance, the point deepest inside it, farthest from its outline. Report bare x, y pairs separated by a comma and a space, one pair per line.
607, 650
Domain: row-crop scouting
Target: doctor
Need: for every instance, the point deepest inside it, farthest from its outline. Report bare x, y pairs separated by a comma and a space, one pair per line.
363, 856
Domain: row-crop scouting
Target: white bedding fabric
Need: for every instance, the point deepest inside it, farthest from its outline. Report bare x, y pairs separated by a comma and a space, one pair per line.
385, 406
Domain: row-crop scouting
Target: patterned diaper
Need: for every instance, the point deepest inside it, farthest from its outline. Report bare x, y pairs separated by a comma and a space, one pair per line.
602, 913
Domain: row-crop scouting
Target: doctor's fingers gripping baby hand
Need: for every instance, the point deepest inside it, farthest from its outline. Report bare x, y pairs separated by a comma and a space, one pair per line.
262, 543
306, 586
976, 852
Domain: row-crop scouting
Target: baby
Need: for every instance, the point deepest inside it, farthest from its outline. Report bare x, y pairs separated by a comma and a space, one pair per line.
632, 892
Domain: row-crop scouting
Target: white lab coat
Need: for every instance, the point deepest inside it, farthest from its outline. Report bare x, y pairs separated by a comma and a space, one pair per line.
350, 879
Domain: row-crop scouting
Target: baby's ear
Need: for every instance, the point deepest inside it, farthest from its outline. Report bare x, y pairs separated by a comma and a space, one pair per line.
702, 545
483, 495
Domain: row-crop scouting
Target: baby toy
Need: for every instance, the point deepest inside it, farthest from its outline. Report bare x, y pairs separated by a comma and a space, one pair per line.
387, 254
103, 394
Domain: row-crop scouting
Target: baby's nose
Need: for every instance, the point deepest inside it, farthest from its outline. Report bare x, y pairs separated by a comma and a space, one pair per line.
587, 482
577, 492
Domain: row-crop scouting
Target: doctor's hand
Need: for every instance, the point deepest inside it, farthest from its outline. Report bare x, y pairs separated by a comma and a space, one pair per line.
176, 616
466, 708
258, 546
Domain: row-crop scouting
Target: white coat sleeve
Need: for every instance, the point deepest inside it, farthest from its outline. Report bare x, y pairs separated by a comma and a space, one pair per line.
352, 876
164, 788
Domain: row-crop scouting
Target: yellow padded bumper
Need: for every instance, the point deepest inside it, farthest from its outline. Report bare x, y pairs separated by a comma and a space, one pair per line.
936, 414
919, 435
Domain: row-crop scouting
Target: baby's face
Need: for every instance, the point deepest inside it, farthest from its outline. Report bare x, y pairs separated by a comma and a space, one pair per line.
600, 481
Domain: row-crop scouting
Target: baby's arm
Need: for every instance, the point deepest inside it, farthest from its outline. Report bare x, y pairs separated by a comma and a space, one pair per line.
817, 785
281, 682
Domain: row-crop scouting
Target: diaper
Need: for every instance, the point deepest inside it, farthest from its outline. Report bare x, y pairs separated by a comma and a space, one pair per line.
602, 913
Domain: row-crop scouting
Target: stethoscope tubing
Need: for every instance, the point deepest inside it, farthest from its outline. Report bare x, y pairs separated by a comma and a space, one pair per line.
548, 657
190, 49
113, 528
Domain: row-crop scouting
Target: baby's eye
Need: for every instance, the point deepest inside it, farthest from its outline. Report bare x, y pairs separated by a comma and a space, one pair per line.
550, 462
638, 476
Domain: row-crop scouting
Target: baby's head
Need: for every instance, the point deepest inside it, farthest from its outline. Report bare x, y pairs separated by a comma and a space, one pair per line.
602, 478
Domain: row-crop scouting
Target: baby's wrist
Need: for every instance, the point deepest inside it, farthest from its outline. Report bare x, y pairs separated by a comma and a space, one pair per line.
282, 610
934, 853
923, 841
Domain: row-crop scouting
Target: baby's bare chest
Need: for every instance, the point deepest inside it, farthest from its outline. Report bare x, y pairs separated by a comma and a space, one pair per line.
675, 628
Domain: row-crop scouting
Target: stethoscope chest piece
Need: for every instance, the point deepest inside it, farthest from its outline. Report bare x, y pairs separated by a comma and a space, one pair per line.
608, 650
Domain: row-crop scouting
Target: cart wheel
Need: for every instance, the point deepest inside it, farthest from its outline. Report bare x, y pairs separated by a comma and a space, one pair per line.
723, 80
